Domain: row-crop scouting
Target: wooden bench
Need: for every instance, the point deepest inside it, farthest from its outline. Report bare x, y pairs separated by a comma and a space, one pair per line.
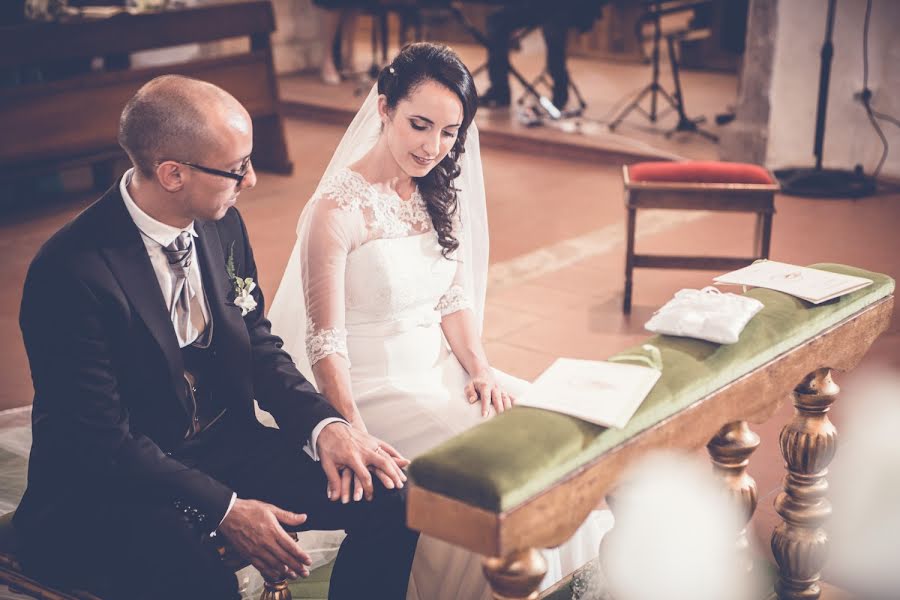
528, 478
49, 125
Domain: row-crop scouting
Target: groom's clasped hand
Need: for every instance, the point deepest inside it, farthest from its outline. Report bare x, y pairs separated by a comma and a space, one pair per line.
257, 530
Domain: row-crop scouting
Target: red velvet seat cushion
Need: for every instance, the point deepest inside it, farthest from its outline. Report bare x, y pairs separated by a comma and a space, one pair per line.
699, 172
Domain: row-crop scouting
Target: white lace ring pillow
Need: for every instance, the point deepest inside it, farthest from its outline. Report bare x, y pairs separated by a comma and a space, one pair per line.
705, 314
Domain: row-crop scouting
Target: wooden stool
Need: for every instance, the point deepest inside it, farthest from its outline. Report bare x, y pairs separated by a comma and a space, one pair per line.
696, 185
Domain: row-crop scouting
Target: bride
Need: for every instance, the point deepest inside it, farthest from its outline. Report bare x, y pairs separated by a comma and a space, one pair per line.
383, 297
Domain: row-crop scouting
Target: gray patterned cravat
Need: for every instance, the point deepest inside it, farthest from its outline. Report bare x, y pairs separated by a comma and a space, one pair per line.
186, 314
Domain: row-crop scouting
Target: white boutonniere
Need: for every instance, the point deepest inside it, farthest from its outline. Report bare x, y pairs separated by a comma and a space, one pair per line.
242, 286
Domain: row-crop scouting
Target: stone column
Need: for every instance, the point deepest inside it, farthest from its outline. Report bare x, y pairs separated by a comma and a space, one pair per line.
297, 43
746, 139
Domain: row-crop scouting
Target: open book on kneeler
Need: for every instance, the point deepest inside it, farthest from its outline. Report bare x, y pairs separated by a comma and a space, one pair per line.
605, 393
813, 285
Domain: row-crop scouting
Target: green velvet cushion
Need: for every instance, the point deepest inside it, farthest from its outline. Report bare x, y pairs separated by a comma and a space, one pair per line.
501, 463
314, 587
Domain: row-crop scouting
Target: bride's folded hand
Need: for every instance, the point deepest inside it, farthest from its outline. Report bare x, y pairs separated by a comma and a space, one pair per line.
484, 387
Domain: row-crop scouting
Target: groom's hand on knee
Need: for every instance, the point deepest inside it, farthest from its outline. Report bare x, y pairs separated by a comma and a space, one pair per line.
348, 454
256, 531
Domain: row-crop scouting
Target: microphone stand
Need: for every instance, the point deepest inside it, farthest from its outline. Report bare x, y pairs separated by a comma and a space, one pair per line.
817, 181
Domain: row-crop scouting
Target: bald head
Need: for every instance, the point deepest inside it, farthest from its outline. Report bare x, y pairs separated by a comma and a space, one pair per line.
177, 118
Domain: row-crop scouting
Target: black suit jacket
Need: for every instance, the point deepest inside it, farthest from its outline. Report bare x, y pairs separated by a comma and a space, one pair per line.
110, 409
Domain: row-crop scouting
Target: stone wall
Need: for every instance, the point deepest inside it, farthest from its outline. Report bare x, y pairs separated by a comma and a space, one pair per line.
778, 91
849, 136
297, 43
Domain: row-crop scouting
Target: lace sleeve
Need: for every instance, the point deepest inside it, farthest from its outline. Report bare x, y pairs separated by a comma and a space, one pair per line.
322, 342
453, 301
333, 229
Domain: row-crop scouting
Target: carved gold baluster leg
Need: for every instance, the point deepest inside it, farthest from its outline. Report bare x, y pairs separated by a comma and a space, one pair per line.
730, 450
517, 575
275, 590
808, 443
272, 590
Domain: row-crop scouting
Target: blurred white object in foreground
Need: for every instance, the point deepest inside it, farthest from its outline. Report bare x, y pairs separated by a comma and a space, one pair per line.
675, 535
865, 482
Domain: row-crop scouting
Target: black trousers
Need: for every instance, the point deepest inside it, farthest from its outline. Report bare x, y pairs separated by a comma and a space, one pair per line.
147, 549
500, 27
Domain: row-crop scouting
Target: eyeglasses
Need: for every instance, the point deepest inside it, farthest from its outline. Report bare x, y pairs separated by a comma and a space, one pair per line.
238, 177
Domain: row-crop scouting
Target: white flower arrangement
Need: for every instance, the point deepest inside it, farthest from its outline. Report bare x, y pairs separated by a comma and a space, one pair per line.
243, 286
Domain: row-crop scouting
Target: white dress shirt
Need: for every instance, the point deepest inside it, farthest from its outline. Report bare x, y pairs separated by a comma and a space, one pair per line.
157, 236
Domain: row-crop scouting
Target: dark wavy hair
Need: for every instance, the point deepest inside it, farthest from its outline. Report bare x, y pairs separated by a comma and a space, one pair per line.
414, 65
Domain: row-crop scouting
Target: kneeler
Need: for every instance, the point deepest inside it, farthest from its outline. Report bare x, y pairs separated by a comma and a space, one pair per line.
528, 478
313, 588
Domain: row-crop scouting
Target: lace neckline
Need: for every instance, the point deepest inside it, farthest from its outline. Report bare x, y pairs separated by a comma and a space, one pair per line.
414, 198
385, 213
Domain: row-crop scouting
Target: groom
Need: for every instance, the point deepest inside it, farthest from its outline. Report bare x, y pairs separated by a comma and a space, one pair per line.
147, 343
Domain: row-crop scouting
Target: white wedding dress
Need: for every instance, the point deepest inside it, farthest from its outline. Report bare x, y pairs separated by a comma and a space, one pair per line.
376, 288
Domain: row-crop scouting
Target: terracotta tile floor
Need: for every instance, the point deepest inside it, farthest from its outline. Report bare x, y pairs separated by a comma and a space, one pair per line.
544, 303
